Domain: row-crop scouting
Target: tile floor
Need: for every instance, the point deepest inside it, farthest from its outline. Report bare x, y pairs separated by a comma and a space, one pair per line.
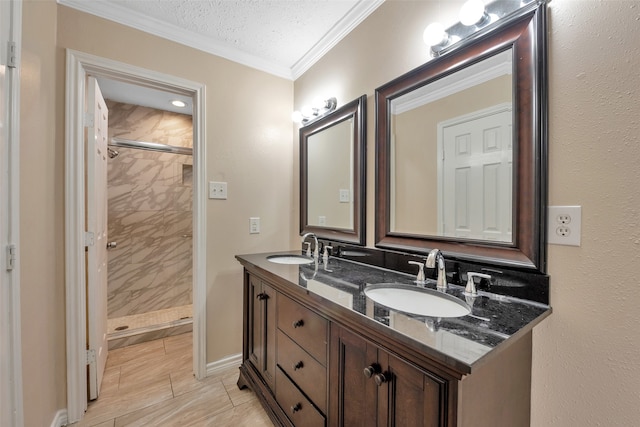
152, 384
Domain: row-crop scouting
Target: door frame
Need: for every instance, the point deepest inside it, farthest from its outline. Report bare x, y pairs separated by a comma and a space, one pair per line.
11, 398
78, 66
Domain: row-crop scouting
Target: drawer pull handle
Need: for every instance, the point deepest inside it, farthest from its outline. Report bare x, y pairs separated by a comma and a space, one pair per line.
298, 323
295, 408
262, 296
380, 379
369, 371
298, 365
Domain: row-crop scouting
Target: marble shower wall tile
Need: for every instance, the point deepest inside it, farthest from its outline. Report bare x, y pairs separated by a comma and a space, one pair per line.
150, 213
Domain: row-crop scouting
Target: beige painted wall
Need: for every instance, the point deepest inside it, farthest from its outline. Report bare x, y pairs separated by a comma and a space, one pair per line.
249, 139
41, 219
586, 370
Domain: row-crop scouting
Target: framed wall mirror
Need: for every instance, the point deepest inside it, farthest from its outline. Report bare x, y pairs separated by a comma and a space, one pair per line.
332, 174
461, 150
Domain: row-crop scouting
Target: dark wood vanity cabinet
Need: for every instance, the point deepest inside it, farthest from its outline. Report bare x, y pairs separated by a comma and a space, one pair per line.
372, 387
311, 364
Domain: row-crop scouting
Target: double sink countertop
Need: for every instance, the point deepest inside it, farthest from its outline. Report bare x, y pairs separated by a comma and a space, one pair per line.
459, 342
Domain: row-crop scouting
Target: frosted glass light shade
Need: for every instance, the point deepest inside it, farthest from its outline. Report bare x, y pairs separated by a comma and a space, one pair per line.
434, 34
471, 12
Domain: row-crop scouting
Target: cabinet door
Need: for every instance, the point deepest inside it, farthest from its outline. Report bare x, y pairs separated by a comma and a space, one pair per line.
410, 397
371, 387
353, 397
261, 333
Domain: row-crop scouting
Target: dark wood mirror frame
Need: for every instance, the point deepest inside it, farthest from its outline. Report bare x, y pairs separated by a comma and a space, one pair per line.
526, 34
355, 109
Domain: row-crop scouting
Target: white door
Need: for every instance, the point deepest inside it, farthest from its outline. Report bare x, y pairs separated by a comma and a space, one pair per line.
96, 149
476, 177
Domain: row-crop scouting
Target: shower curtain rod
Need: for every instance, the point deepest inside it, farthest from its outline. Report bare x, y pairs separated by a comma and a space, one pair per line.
153, 146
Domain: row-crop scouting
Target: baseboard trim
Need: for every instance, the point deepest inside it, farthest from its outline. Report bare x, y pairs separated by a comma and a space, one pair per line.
233, 361
60, 419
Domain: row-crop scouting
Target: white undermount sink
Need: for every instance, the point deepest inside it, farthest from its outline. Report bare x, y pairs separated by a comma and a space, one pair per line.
290, 259
414, 300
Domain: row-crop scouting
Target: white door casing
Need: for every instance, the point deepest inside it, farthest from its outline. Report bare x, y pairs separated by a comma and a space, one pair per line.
97, 116
79, 66
11, 399
475, 175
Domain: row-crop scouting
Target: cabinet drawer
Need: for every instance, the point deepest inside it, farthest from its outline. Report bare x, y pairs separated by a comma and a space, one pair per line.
297, 407
307, 329
304, 370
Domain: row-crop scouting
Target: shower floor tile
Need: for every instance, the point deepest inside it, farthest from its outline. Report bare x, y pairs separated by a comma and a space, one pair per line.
152, 320
139, 328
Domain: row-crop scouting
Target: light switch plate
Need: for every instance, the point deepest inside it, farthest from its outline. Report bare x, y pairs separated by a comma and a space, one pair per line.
345, 196
254, 225
217, 190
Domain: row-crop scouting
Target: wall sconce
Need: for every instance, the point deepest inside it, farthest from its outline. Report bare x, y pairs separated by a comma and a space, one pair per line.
476, 19
309, 113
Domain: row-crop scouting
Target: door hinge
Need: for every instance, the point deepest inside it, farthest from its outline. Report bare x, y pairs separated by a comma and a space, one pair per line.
91, 356
12, 61
89, 238
11, 257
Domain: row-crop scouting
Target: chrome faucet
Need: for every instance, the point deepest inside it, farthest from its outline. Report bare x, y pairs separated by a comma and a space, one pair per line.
316, 250
436, 257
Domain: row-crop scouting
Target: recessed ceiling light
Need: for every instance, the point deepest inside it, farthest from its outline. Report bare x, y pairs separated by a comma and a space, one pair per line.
178, 103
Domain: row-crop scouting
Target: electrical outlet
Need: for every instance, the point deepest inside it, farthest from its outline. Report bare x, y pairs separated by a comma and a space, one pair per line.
564, 225
322, 221
217, 190
254, 225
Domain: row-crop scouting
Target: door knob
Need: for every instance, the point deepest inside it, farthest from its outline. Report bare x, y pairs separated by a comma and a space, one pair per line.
112, 245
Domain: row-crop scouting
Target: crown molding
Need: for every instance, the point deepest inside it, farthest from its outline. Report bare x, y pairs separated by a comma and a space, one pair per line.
121, 15
351, 20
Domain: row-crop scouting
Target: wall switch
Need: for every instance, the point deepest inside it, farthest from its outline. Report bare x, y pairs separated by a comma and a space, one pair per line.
217, 190
254, 225
345, 196
565, 223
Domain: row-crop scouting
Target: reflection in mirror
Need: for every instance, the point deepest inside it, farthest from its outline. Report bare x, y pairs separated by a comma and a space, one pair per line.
454, 136
461, 149
332, 174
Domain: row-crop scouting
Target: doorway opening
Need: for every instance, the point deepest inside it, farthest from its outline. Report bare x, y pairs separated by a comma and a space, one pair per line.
150, 217
80, 66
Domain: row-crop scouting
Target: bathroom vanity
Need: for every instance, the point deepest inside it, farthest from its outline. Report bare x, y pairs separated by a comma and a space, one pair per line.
318, 352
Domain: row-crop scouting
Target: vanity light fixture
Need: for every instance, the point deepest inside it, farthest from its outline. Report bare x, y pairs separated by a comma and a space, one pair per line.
476, 19
309, 113
178, 103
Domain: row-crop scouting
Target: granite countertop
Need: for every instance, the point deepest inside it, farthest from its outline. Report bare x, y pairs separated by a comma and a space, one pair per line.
461, 342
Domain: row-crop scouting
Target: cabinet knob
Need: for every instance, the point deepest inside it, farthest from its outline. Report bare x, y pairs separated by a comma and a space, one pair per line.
262, 296
295, 408
369, 371
298, 365
298, 323
380, 379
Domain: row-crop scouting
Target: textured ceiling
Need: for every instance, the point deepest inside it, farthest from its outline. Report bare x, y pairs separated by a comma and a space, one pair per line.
282, 37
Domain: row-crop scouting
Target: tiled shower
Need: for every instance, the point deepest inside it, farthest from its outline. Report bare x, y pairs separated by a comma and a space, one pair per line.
150, 219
